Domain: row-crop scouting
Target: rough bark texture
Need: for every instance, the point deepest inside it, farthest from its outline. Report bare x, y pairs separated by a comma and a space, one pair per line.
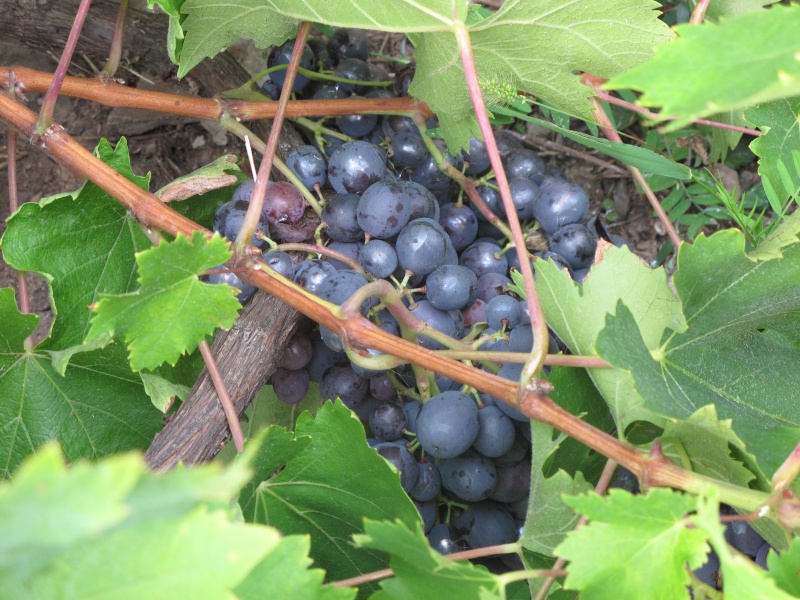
250, 352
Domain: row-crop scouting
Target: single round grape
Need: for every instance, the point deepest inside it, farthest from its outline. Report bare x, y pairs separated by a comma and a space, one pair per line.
308, 164
451, 287
322, 359
349, 43
394, 124
437, 319
491, 197
383, 209
281, 55
229, 219
297, 353
280, 262
496, 432
331, 92
625, 480
743, 537
442, 538
353, 69
512, 372
244, 191
487, 524
298, 231
421, 202
378, 73
445, 384
357, 125
388, 421
339, 214
421, 246
350, 250
270, 89
355, 166
474, 313
447, 424
525, 195
311, 273
378, 258
761, 555
412, 408
401, 460
484, 257
576, 244
340, 381
513, 482
283, 203
246, 291
429, 482
428, 511
290, 386
470, 476
506, 142
477, 157
518, 451
708, 572
408, 150
522, 162
491, 285
559, 204
342, 284
382, 388
521, 338
429, 174
460, 223
503, 311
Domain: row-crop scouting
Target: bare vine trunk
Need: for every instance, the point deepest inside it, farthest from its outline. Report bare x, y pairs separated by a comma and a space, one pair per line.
250, 352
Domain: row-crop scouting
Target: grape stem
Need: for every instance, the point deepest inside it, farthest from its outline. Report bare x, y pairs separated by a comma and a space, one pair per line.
253, 215
115, 53
541, 336
147, 208
324, 250
560, 360
788, 471
313, 75
699, 12
224, 398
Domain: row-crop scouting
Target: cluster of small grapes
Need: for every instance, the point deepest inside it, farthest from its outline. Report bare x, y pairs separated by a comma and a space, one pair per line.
463, 457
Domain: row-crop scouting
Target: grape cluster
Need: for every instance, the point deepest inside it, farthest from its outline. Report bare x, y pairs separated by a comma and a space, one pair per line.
463, 457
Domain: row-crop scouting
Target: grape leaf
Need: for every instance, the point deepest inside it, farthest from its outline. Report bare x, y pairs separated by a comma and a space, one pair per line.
172, 310
638, 542
330, 480
162, 391
723, 357
604, 39
732, 8
779, 121
147, 536
705, 440
82, 243
420, 571
223, 172
175, 33
784, 567
576, 313
743, 579
97, 408
760, 64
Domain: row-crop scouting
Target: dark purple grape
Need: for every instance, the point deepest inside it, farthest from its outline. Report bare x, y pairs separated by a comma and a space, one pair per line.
503, 311
281, 55
342, 284
498, 344
290, 386
429, 482
351, 250
246, 290
353, 69
460, 223
340, 381
298, 231
490, 197
442, 538
283, 203
421, 202
474, 313
325, 61
428, 511
437, 319
625, 480
708, 573
512, 372
451, 287
245, 190
394, 124
330, 145
378, 258
339, 215
412, 408
521, 338
743, 537
470, 476
559, 260
445, 384
491, 285
349, 43
378, 73
308, 165
579, 275
408, 150
383, 209
430, 175
521, 162
525, 195
486, 524
280, 262
311, 273
298, 352
576, 244
229, 219
506, 142
421, 246
761, 555
496, 432
484, 257
400, 458
513, 482
559, 204
477, 157
331, 92
382, 388
517, 452
355, 166
447, 425
322, 359
387, 421
270, 89
358, 125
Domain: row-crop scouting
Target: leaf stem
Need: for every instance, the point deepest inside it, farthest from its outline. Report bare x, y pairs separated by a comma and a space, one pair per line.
224, 398
788, 471
324, 250
13, 205
561, 360
541, 336
253, 215
699, 12
49, 102
513, 576
115, 53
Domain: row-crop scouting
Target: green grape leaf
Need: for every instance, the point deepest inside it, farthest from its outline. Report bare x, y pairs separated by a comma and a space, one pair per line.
760, 64
779, 121
222, 173
171, 7
576, 313
604, 39
784, 567
175, 34
787, 234
705, 440
323, 482
723, 357
743, 579
162, 391
82, 243
173, 310
98, 407
723, 140
147, 535
638, 542
420, 571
